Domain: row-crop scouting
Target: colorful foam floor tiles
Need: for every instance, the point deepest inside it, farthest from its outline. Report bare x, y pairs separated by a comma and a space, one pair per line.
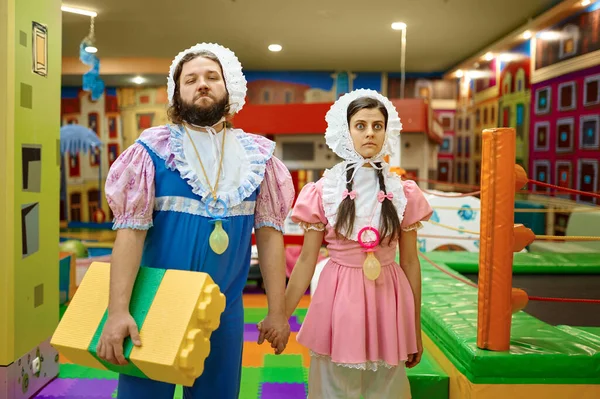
264, 375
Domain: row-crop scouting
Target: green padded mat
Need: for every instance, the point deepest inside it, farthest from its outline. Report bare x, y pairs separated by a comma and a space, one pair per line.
525, 263
540, 353
428, 380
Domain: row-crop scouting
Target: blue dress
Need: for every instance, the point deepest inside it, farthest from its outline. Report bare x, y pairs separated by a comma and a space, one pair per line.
178, 239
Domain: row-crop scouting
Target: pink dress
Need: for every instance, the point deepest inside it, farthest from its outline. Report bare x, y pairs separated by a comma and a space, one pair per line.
356, 322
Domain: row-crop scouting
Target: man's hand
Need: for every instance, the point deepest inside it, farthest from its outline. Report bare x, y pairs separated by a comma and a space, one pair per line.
415, 358
275, 328
118, 327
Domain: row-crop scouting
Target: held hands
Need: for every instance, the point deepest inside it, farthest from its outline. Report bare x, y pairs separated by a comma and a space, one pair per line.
415, 358
275, 328
118, 327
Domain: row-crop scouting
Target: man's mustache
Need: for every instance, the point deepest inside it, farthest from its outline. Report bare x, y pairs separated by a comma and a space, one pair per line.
202, 94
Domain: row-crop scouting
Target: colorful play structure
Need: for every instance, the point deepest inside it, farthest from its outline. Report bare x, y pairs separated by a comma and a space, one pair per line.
478, 334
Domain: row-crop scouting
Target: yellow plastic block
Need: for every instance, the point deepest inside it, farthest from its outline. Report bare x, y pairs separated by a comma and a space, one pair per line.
175, 336
79, 324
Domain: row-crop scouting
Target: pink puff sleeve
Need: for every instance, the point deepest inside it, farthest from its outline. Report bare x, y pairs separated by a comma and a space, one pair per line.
417, 207
308, 211
275, 197
130, 189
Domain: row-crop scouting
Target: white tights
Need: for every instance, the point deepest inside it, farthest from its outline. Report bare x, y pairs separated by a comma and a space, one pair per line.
327, 380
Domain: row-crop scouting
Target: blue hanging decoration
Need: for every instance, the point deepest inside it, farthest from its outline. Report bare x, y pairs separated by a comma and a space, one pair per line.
91, 79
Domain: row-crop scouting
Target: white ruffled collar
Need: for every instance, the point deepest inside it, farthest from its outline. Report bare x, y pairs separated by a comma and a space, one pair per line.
366, 186
256, 160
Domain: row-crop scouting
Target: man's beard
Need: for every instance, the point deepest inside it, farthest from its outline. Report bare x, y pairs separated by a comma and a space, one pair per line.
203, 116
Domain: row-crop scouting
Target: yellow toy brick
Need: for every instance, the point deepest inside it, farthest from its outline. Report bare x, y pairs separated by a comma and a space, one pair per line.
176, 312
78, 325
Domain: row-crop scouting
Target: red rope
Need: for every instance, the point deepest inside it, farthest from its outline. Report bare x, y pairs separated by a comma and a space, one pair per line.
522, 191
468, 282
470, 186
531, 298
449, 237
567, 190
452, 195
575, 300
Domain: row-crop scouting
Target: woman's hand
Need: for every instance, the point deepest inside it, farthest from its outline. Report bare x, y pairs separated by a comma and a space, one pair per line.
415, 358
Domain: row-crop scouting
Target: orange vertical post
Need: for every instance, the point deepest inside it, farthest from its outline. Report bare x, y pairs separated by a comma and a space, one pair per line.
496, 239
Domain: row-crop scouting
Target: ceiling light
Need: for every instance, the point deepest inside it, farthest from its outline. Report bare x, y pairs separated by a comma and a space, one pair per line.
79, 11
138, 80
459, 73
550, 35
398, 26
527, 34
585, 3
275, 47
488, 56
91, 49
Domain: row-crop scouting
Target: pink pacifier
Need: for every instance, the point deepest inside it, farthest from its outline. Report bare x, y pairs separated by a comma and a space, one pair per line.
371, 267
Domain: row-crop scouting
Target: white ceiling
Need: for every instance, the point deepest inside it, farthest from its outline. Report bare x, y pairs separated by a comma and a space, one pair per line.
315, 34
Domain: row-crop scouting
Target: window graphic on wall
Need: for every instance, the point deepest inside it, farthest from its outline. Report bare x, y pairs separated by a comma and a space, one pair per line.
74, 167
588, 178
444, 172
564, 176
542, 173
446, 146
520, 121
112, 127
589, 134
591, 90
93, 123
467, 146
564, 134
113, 153
145, 121
566, 96
75, 201
569, 41
541, 140
95, 156
542, 101
506, 116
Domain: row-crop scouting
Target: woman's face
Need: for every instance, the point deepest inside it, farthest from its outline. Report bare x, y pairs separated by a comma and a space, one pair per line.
367, 129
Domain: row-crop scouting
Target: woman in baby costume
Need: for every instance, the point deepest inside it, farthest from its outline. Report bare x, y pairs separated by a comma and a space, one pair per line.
363, 325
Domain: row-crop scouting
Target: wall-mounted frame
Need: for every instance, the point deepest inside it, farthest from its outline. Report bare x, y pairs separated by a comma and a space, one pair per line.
40, 49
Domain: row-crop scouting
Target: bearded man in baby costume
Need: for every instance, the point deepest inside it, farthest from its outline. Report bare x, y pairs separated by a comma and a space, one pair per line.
171, 189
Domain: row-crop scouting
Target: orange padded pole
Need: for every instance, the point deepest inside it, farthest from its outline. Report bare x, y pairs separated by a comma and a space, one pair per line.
497, 239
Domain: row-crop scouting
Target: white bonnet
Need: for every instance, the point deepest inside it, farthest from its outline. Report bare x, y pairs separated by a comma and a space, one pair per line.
232, 71
337, 135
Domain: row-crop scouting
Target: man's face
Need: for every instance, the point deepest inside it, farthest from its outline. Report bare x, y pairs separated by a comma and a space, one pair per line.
202, 91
